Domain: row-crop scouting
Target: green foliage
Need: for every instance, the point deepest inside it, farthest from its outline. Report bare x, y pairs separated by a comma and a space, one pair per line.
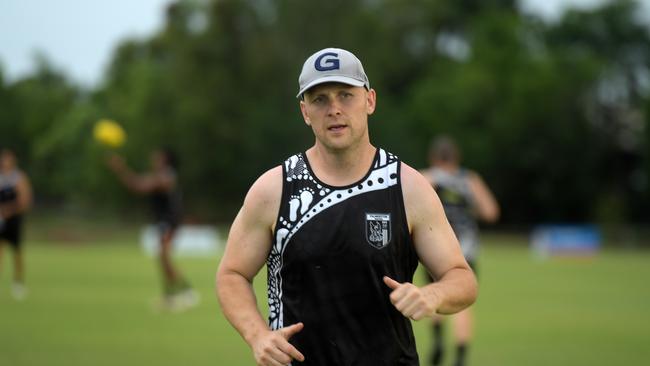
37, 128
553, 115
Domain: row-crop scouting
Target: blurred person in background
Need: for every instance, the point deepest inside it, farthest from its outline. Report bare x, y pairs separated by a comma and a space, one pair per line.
15, 200
342, 228
160, 183
465, 198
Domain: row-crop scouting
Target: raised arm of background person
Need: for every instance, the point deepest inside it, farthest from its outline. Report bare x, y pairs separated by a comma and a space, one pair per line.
248, 246
455, 287
485, 204
140, 183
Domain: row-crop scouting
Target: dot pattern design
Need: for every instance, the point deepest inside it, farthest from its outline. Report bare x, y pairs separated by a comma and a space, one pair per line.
299, 179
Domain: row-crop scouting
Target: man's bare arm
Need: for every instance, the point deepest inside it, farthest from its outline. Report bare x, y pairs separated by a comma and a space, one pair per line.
139, 183
248, 246
455, 287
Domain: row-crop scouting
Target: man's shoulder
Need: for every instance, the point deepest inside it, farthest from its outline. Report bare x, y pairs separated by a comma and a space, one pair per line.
411, 175
263, 197
269, 179
414, 185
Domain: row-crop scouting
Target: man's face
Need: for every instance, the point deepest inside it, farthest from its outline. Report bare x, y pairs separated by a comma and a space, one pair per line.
338, 113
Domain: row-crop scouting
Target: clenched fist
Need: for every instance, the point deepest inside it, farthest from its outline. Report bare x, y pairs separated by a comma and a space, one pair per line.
412, 301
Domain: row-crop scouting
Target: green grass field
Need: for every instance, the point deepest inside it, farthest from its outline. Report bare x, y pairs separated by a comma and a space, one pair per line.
90, 304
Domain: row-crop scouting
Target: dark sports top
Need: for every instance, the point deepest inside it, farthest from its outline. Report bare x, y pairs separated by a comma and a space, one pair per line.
458, 202
166, 205
332, 247
8, 186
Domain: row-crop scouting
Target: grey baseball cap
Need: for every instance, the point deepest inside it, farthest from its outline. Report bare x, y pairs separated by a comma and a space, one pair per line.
332, 65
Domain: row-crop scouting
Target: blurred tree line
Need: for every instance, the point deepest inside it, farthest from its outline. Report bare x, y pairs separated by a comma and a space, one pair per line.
554, 115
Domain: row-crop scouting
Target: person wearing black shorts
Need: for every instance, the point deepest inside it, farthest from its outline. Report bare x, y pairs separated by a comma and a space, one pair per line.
161, 185
15, 200
341, 227
465, 198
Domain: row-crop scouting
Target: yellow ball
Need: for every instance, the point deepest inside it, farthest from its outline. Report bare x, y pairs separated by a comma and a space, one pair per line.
109, 133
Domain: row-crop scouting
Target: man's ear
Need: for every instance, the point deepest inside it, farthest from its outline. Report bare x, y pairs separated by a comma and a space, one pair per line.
371, 101
303, 108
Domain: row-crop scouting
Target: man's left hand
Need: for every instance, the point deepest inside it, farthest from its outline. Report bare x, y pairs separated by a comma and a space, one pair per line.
411, 300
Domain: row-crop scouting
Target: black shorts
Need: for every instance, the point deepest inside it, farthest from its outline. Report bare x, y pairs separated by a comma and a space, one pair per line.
472, 265
11, 231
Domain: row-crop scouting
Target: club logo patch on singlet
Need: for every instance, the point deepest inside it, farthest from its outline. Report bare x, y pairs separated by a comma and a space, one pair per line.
378, 229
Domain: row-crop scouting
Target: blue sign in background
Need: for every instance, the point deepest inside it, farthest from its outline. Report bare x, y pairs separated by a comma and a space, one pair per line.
566, 239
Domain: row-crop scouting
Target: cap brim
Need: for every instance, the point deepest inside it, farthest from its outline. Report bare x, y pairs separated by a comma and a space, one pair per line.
331, 79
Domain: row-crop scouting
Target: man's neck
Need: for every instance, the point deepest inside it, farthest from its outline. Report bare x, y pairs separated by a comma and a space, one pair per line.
343, 167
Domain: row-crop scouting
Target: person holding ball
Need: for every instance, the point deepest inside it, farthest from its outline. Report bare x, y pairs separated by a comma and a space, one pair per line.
15, 200
161, 185
341, 228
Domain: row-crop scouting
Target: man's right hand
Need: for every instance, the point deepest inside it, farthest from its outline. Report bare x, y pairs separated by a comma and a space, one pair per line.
272, 348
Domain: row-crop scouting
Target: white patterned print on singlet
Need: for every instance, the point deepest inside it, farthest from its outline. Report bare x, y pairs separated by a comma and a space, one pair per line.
311, 200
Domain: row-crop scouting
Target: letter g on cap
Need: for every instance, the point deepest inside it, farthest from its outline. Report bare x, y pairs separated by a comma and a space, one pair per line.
325, 64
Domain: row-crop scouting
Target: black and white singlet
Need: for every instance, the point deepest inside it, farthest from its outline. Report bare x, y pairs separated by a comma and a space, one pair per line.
331, 248
458, 201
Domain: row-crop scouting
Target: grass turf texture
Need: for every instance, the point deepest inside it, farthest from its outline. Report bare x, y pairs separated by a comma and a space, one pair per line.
90, 304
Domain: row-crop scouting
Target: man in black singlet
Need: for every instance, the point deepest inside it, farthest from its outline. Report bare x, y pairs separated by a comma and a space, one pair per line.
15, 200
161, 185
341, 227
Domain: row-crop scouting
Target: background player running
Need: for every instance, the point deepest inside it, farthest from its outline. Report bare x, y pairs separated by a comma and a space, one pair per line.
465, 197
161, 185
15, 200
